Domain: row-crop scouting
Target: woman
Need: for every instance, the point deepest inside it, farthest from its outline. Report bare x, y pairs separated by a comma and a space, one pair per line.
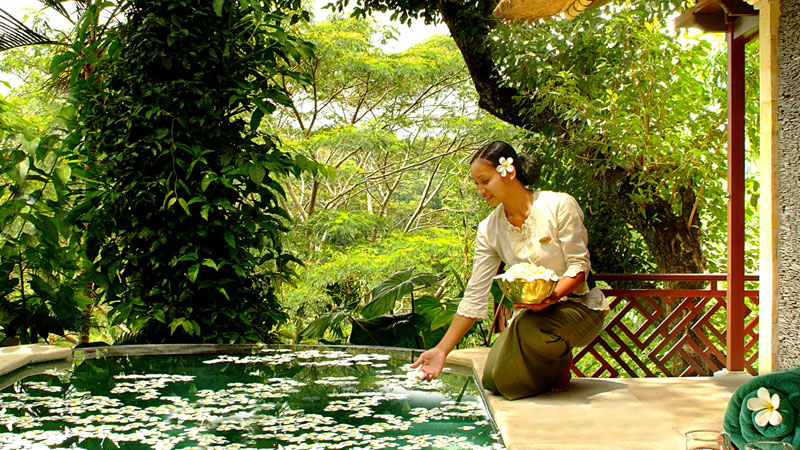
545, 228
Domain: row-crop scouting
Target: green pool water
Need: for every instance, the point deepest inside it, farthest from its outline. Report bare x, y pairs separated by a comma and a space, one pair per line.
277, 398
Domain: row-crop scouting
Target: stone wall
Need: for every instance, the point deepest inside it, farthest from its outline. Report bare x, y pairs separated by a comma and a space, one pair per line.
789, 190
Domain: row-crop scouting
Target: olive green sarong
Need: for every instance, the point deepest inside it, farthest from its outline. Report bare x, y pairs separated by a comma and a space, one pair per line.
528, 356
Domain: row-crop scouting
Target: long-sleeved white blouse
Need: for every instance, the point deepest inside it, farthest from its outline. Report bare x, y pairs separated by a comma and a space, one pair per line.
553, 236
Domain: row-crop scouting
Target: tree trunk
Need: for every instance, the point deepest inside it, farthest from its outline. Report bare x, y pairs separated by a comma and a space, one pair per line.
674, 243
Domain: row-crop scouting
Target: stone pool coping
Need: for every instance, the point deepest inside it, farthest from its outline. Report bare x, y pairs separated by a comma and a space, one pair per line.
607, 413
18, 356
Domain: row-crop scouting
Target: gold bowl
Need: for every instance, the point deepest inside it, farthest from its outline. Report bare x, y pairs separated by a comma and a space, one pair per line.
527, 292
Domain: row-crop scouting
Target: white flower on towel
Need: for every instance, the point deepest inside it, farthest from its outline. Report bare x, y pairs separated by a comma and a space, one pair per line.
767, 408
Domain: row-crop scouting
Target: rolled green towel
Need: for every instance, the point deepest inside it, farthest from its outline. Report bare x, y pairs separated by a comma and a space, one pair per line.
766, 408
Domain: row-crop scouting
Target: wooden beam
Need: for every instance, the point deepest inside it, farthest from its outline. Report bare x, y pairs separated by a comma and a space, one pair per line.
713, 16
745, 27
736, 201
769, 15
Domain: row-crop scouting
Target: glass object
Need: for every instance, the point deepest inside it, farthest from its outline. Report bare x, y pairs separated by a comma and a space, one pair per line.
768, 445
707, 440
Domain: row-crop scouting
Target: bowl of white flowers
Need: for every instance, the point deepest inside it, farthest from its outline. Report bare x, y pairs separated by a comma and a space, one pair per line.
527, 283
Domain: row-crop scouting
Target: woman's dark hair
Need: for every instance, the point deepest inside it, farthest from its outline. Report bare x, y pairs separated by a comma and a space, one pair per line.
526, 166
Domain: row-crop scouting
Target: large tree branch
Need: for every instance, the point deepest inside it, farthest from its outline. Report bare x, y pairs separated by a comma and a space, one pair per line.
427, 196
470, 22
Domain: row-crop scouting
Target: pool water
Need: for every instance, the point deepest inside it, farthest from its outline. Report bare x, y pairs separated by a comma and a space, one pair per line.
276, 398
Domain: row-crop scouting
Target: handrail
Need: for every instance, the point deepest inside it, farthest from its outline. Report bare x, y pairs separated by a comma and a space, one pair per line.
667, 277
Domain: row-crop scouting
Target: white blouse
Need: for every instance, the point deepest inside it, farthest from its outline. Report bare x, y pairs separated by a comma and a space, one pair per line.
553, 236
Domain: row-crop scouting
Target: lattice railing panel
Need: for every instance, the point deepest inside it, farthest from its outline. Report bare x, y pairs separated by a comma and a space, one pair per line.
651, 332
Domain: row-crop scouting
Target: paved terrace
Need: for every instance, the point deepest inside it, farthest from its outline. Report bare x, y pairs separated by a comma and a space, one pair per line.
608, 413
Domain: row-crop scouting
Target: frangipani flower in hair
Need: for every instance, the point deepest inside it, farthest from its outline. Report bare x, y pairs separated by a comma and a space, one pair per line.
505, 166
766, 407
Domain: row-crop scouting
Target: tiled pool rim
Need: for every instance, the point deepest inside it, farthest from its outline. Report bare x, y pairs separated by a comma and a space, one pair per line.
19, 356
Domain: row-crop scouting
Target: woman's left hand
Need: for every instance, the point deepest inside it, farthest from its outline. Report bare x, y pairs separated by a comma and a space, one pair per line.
552, 300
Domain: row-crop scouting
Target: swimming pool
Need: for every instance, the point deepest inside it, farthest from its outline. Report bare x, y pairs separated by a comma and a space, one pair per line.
244, 397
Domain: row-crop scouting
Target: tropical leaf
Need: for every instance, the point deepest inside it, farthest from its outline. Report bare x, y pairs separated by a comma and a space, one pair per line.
397, 286
400, 330
446, 315
317, 328
428, 307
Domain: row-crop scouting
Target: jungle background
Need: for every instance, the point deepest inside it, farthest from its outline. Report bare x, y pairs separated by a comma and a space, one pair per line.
238, 171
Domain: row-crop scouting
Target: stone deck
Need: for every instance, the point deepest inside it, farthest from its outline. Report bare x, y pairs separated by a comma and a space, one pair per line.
609, 413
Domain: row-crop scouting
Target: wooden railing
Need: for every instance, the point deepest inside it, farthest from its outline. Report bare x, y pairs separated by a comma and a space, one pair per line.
669, 332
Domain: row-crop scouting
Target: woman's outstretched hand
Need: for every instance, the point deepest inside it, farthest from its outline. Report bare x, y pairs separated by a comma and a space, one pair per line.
430, 363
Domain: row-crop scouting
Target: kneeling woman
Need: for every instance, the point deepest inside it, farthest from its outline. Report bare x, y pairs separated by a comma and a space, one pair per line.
533, 355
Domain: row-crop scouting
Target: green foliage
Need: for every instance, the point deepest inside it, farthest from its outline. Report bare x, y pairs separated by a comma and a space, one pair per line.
42, 285
630, 113
614, 245
400, 330
181, 214
422, 327
335, 282
393, 131
88, 43
386, 126
386, 295
342, 228
402, 10
330, 299
32, 99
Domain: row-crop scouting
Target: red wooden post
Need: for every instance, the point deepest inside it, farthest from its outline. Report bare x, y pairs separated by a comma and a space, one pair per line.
736, 201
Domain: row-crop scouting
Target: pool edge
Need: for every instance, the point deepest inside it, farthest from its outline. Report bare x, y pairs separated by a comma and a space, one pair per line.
19, 356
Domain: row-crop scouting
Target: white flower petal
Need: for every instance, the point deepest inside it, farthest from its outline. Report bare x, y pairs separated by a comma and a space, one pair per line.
755, 404
762, 418
510, 168
775, 418
763, 394
776, 401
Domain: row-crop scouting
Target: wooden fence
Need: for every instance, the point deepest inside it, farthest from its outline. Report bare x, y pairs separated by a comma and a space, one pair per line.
670, 332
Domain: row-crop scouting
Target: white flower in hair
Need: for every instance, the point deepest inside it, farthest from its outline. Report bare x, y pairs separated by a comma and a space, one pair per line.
505, 166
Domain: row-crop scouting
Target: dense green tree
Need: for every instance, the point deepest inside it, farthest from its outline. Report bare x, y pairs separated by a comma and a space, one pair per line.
41, 247
182, 223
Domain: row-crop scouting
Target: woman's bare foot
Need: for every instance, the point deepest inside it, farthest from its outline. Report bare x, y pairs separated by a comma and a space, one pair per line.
562, 382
